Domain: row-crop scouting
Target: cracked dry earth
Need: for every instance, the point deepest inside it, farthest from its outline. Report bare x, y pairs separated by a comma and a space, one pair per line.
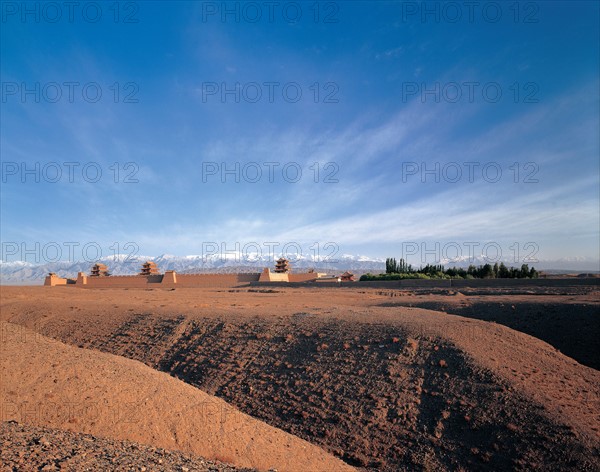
383, 380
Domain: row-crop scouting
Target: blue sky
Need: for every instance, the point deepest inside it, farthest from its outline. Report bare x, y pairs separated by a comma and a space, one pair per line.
394, 101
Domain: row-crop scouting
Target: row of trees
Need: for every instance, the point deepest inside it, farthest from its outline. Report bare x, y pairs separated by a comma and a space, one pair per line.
486, 271
393, 267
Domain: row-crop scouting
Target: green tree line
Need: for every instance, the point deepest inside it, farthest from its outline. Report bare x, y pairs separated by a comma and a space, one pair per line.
396, 270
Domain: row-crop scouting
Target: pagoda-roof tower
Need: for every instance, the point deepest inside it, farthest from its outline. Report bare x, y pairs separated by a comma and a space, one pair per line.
282, 266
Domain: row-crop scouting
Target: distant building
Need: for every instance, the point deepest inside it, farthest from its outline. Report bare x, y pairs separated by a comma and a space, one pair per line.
149, 268
347, 277
99, 270
282, 266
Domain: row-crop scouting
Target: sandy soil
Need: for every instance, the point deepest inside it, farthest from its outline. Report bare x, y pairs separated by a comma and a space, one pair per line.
47, 383
366, 374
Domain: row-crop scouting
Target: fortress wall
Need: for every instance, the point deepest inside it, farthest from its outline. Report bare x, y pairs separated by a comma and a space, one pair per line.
52, 281
155, 278
275, 277
123, 281
265, 276
214, 280
169, 280
302, 277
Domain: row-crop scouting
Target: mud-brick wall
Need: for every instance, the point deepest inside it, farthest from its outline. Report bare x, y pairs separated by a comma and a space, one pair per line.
123, 281
268, 276
214, 280
305, 277
53, 280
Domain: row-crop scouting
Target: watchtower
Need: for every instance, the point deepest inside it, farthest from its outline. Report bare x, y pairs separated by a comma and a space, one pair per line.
149, 268
282, 266
99, 270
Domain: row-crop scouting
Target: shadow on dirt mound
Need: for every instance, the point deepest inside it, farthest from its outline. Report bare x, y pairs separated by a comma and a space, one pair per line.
573, 329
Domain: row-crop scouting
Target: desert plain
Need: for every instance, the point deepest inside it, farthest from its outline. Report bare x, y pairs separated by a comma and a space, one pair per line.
300, 378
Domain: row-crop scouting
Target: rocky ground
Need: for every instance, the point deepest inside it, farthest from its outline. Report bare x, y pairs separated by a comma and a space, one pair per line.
385, 380
29, 448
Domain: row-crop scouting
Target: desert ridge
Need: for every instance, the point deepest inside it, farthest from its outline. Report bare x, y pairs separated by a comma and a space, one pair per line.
46, 383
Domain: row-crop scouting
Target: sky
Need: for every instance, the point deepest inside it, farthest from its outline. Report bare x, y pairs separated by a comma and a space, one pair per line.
424, 130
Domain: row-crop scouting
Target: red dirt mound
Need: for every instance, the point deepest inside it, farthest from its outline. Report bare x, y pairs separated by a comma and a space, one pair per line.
47, 383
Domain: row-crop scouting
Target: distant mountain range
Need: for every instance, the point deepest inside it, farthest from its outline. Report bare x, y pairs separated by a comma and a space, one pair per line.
19, 272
